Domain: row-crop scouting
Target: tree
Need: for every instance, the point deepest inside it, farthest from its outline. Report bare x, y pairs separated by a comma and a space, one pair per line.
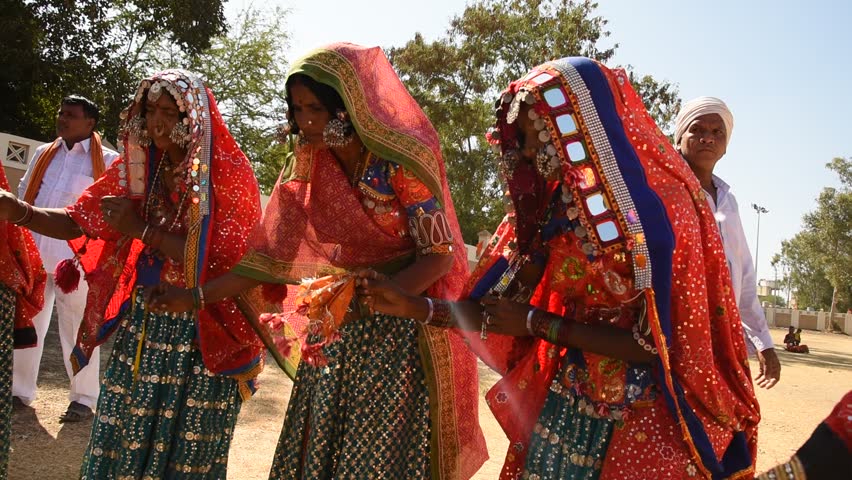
19, 35
49, 47
805, 274
97, 48
246, 69
492, 42
771, 300
820, 256
779, 262
832, 223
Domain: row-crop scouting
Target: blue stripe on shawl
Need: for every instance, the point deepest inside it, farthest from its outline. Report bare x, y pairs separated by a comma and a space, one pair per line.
203, 249
489, 279
659, 234
206, 222
236, 371
661, 242
103, 332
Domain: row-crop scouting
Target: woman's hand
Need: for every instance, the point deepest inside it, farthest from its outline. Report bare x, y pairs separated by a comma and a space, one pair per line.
165, 298
120, 214
383, 295
10, 208
504, 316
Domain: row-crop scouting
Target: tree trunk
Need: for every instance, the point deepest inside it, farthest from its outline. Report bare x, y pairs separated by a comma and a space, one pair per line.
831, 311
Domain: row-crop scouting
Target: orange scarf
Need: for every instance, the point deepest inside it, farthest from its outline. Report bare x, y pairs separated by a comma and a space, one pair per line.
46, 157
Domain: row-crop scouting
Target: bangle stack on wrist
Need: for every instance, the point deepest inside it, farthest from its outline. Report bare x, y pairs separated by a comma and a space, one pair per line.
548, 327
530, 316
443, 316
640, 339
553, 331
201, 301
428, 319
440, 314
198, 298
27, 216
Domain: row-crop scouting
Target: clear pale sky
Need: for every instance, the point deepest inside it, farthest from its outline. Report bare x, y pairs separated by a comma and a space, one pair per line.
783, 67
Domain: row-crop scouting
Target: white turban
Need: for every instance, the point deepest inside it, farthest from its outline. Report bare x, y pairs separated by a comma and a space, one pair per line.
702, 106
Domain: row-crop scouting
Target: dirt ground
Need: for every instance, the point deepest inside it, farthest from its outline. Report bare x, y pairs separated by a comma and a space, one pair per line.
47, 450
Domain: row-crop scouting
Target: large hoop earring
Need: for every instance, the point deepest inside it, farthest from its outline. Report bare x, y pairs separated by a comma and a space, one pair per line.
508, 163
546, 163
136, 127
338, 132
179, 135
282, 133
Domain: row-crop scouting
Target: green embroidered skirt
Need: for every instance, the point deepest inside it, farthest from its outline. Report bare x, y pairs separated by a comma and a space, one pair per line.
362, 411
569, 440
8, 300
172, 418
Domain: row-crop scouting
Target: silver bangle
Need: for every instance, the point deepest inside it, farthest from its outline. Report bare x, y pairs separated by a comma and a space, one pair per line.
529, 320
24, 217
431, 311
200, 298
144, 232
647, 346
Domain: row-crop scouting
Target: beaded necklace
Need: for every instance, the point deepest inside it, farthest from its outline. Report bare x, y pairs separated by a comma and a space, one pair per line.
158, 199
361, 166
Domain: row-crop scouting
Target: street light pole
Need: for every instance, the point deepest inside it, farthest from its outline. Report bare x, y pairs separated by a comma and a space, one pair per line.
757, 208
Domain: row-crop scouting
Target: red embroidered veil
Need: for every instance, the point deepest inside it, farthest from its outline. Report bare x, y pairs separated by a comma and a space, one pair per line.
314, 224
219, 218
652, 209
21, 270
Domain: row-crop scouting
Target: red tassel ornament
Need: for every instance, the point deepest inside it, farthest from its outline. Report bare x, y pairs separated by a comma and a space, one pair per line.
67, 275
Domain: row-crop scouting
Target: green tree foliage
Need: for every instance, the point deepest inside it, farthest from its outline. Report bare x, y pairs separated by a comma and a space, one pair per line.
189, 24
246, 69
51, 51
20, 36
97, 48
771, 300
819, 257
457, 77
806, 277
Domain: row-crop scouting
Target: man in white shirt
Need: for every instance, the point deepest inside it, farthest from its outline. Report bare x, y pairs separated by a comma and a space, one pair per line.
702, 130
56, 176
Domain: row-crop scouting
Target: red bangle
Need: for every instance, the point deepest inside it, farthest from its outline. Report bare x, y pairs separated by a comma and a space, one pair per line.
442, 315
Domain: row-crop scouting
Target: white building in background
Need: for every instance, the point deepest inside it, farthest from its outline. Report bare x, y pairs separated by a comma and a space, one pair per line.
768, 287
475, 251
17, 153
471, 256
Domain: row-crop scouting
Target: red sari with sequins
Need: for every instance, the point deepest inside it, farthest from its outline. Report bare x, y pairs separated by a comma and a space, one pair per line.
216, 224
631, 228
316, 222
21, 271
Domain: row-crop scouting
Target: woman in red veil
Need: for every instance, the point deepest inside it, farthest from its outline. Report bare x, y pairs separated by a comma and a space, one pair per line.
22, 278
365, 188
176, 207
604, 297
